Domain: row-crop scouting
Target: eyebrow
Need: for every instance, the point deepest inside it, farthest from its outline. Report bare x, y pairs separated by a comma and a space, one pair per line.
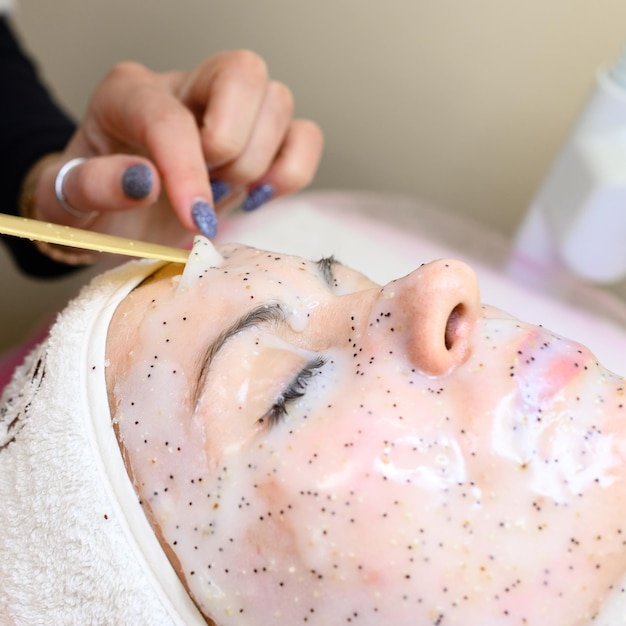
262, 315
268, 313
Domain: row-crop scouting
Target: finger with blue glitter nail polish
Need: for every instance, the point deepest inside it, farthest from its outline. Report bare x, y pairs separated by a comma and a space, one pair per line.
204, 218
220, 190
258, 196
137, 181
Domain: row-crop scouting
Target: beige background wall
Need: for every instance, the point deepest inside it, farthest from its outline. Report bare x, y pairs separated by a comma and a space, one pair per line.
460, 102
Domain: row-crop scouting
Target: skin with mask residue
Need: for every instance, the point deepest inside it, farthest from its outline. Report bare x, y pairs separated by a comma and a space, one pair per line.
313, 448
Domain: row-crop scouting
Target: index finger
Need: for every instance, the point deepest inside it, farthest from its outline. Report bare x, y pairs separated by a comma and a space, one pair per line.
135, 107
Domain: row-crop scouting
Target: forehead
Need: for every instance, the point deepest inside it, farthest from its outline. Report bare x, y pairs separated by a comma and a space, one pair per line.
198, 301
256, 275
244, 263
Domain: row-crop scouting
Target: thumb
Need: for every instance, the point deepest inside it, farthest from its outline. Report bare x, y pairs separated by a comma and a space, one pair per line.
74, 193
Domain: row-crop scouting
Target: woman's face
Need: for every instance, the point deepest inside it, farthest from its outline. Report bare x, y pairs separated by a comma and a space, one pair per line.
314, 448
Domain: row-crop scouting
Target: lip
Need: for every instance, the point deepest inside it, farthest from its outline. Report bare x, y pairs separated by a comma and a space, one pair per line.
552, 420
546, 364
538, 362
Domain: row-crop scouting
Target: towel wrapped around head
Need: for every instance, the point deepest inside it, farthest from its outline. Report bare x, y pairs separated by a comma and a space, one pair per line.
76, 546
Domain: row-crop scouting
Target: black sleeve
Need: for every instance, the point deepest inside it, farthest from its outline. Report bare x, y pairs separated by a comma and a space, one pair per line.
31, 126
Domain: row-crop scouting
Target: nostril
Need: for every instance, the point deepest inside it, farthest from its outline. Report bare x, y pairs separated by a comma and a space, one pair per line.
442, 303
451, 331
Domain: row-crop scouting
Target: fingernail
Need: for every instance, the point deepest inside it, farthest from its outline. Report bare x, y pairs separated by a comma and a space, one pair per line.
204, 218
258, 196
219, 189
137, 181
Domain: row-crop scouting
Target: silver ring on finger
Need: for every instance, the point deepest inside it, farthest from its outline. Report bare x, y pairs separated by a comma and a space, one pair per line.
58, 190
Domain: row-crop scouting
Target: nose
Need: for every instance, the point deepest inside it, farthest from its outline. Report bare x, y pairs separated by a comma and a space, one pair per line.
439, 304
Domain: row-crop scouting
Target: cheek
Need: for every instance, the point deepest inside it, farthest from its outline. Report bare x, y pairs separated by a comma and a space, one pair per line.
328, 519
348, 476
300, 522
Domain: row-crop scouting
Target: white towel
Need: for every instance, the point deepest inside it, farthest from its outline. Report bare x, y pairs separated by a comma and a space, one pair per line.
75, 546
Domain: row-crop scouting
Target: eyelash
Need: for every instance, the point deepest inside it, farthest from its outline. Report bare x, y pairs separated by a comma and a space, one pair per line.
296, 389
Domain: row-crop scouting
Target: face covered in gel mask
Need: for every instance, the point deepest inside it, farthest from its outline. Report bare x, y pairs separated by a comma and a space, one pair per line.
313, 448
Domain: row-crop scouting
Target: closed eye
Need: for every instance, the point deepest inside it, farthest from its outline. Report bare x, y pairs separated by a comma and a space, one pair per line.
294, 390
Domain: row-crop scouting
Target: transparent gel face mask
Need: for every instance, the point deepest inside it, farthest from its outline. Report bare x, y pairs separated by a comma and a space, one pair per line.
359, 502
